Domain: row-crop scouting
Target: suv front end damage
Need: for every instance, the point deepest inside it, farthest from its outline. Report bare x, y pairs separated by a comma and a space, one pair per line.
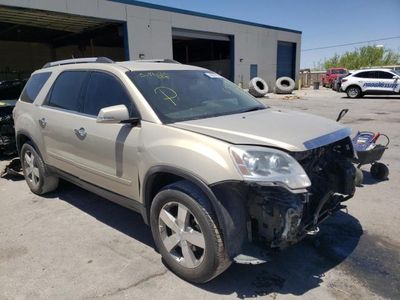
277, 216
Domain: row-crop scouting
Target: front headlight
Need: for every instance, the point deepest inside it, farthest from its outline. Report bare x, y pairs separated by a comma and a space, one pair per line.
266, 165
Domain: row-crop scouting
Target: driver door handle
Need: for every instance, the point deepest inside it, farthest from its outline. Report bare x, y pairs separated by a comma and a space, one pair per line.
42, 122
81, 132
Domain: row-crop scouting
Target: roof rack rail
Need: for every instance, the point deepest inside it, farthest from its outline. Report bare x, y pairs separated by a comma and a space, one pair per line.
103, 60
161, 60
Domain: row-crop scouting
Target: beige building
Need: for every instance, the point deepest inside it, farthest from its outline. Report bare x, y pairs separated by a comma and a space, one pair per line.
33, 32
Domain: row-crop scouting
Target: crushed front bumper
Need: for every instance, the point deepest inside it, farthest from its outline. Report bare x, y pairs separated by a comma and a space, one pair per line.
275, 216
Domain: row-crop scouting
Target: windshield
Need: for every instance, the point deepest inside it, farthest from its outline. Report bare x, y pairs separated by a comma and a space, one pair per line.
339, 71
181, 95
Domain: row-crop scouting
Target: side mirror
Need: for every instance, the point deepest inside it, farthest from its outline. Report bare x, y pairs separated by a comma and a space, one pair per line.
113, 114
396, 77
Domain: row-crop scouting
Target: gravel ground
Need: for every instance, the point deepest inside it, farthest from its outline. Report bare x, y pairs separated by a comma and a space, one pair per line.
72, 244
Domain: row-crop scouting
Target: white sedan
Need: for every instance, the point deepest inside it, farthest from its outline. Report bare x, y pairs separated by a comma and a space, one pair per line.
371, 82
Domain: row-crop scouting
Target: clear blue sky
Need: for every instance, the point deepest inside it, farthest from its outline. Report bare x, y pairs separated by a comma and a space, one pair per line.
322, 22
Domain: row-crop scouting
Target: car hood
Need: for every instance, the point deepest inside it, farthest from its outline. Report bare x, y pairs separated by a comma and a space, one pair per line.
292, 131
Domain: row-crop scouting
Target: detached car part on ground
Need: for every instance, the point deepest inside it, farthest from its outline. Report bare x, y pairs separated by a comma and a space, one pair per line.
212, 170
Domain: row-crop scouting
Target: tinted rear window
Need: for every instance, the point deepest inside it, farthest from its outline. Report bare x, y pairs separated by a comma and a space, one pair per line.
368, 74
66, 91
34, 86
339, 71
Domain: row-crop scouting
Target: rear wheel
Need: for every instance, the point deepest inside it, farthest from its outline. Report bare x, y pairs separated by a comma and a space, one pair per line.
354, 92
186, 234
37, 177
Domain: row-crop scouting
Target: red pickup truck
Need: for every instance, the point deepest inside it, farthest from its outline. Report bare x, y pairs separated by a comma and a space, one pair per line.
331, 75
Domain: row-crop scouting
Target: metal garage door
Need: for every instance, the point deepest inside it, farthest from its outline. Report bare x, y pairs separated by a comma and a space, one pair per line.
286, 59
29, 38
209, 50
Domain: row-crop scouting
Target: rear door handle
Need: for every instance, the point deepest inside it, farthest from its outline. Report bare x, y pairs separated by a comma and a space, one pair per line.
42, 122
81, 132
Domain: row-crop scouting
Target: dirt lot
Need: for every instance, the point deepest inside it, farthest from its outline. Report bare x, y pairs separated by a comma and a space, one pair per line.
73, 244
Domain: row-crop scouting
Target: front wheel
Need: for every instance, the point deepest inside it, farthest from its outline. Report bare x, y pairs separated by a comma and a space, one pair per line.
353, 92
186, 234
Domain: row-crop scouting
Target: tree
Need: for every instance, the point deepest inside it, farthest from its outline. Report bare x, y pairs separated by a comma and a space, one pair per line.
366, 56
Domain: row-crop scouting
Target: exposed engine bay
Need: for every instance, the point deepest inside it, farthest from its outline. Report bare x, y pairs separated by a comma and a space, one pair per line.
280, 217
274, 216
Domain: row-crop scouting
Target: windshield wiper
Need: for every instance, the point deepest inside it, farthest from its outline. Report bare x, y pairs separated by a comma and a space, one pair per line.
253, 109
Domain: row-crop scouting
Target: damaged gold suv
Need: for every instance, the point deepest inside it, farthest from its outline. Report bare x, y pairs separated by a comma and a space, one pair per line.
213, 171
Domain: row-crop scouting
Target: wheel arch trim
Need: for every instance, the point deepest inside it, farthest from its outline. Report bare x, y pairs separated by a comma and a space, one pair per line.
19, 146
189, 176
353, 85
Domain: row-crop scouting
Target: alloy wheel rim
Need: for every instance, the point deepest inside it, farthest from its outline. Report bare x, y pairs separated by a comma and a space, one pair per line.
181, 234
31, 168
353, 92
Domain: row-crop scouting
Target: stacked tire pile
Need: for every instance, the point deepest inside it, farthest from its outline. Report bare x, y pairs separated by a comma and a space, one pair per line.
284, 85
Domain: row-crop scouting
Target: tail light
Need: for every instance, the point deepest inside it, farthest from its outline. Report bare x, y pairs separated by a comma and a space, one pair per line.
344, 80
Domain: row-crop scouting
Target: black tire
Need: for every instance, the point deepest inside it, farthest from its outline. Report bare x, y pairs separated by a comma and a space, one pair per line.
353, 92
214, 259
379, 171
44, 182
359, 177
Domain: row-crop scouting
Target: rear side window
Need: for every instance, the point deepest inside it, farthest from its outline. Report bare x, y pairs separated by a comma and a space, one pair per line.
33, 86
105, 90
385, 75
66, 91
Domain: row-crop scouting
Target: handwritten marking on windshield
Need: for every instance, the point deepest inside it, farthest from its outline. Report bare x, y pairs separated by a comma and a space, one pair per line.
168, 93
